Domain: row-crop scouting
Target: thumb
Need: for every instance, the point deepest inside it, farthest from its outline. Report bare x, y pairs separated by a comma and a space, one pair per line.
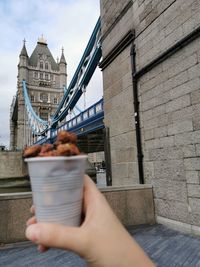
58, 236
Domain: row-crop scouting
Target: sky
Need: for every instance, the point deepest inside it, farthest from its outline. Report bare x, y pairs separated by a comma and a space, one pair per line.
63, 23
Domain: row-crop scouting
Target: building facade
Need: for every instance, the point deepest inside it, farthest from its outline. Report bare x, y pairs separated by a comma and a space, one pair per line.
45, 79
163, 89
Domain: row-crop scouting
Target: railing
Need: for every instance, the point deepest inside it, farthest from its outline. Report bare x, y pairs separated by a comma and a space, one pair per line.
36, 123
86, 117
80, 120
82, 76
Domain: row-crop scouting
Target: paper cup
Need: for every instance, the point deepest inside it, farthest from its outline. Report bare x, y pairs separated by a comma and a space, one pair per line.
57, 187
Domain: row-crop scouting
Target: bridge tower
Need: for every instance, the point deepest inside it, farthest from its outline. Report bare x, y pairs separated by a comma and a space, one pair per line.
45, 79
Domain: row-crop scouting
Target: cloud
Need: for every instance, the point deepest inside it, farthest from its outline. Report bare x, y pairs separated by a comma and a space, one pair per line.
64, 23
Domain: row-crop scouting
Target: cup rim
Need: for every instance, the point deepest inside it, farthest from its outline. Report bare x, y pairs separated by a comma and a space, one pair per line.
55, 158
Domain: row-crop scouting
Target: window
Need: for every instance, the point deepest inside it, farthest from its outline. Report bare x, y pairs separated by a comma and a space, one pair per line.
32, 98
74, 122
85, 115
36, 74
44, 115
51, 77
79, 119
41, 65
91, 112
98, 107
46, 76
41, 75
55, 100
46, 66
44, 97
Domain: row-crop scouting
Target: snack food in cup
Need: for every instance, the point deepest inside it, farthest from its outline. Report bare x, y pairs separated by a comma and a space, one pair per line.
56, 173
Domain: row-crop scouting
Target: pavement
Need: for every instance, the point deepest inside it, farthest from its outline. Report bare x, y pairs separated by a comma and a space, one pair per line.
166, 247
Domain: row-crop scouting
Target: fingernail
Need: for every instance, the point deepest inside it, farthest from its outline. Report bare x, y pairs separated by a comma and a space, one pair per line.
28, 222
33, 233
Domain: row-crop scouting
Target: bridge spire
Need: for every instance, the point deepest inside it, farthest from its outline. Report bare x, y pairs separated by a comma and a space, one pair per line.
62, 59
24, 51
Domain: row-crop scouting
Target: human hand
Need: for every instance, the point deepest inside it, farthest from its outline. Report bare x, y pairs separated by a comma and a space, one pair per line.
101, 239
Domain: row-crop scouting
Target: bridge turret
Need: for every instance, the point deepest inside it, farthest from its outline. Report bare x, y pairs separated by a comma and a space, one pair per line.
63, 70
23, 64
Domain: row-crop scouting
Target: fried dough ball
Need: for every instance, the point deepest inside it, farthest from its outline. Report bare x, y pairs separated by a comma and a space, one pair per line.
46, 147
67, 150
51, 153
64, 137
46, 150
65, 145
74, 150
31, 151
73, 138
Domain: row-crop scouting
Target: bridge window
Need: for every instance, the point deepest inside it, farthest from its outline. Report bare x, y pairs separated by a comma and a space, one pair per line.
41, 65
32, 98
44, 115
79, 119
98, 107
55, 100
44, 97
74, 122
85, 115
46, 66
91, 111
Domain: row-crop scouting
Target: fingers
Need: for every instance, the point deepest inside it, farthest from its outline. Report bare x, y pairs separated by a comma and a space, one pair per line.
32, 209
89, 184
33, 220
42, 248
30, 221
58, 236
91, 192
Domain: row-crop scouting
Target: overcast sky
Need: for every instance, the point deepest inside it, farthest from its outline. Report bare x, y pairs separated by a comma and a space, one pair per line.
67, 23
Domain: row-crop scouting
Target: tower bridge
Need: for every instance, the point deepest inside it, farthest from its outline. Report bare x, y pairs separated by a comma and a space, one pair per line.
151, 100
43, 112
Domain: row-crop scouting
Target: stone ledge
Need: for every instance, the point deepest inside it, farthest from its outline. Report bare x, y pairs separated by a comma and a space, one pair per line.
12, 196
132, 204
179, 226
122, 188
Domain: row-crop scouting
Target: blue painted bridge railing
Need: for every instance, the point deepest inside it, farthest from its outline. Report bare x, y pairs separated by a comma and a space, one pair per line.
86, 122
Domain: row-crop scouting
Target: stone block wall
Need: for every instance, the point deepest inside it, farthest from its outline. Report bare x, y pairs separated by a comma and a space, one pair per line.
169, 111
12, 164
118, 94
15, 210
133, 205
169, 97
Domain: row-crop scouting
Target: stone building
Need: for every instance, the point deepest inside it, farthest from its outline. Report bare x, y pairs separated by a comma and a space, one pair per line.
151, 78
45, 79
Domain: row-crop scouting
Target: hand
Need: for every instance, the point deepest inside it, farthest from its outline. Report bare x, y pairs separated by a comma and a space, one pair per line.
101, 239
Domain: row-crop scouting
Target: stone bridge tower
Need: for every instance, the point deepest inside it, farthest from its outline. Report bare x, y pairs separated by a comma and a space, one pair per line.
45, 79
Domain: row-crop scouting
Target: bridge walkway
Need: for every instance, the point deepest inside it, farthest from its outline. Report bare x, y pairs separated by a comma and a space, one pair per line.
166, 247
